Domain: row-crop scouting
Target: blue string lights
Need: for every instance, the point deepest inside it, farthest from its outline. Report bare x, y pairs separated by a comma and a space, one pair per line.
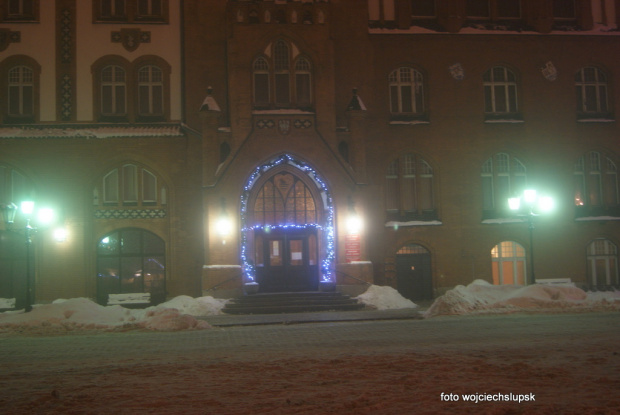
327, 265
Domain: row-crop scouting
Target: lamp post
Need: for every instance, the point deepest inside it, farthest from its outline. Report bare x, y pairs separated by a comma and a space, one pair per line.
531, 205
45, 216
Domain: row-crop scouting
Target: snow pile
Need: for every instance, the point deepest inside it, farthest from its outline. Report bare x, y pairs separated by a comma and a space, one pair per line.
481, 296
84, 314
384, 298
202, 306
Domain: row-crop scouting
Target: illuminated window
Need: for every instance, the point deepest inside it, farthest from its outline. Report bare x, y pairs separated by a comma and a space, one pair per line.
284, 199
508, 263
596, 182
591, 93
131, 261
282, 78
407, 92
502, 177
602, 257
409, 189
500, 93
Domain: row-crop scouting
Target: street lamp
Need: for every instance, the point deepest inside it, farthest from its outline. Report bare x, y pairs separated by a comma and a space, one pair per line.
44, 216
530, 205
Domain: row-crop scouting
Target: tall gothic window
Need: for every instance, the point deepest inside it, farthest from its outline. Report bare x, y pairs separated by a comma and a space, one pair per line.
502, 177
282, 78
410, 189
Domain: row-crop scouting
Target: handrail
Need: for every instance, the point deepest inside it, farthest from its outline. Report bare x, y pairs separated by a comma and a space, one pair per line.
214, 287
355, 278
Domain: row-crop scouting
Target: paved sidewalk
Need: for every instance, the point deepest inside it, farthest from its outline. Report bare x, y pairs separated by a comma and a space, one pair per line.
228, 320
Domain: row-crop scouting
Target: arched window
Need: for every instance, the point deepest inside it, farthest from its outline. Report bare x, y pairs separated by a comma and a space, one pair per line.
508, 262
591, 93
113, 91
303, 82
150, 92
136, 91
21, 92
19, 83
502, 177
282, 78
261, 82
410, 189
602, 255
130, 185
596, 185
500, 93
407, 93
285, 199
131, 261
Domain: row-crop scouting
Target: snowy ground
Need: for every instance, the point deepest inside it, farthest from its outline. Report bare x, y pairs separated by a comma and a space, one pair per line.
476, 339
180, 312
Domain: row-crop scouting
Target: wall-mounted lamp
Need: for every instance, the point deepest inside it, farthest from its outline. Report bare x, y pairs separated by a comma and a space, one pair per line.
354, 221
223, 224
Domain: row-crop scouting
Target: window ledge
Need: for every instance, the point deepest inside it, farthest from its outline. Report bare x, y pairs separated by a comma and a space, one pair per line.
410, 122
282, 111
504, 121
595, 120
596, 218
501, 221
398, 224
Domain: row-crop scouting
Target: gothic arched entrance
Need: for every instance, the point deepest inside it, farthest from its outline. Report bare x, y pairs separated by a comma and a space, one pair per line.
287, 236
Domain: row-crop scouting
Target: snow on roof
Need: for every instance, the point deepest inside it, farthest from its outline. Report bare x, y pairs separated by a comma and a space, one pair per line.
482, 297
91, 131
598, 29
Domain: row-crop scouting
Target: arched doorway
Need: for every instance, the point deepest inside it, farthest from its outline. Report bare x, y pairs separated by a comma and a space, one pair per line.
287, 231
602, 267
131, 260
414, 277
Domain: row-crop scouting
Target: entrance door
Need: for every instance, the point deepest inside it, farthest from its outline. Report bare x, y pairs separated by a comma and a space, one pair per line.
413, 273
287, 260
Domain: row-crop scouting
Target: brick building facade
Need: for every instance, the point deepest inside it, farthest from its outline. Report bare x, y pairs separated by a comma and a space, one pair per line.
148, 123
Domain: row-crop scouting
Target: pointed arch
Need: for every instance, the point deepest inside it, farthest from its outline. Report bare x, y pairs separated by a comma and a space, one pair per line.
311, 185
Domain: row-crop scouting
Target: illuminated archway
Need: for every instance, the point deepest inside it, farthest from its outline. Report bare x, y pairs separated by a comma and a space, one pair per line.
322, 222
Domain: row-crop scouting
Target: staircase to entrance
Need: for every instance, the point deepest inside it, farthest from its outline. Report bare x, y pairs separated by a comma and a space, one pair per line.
291, 302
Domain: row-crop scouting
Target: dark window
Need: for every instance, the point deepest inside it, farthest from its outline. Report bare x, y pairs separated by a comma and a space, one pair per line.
564, 9
478, 8
423, 8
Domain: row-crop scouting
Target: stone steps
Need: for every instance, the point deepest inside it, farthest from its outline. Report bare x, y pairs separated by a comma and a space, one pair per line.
294, 302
